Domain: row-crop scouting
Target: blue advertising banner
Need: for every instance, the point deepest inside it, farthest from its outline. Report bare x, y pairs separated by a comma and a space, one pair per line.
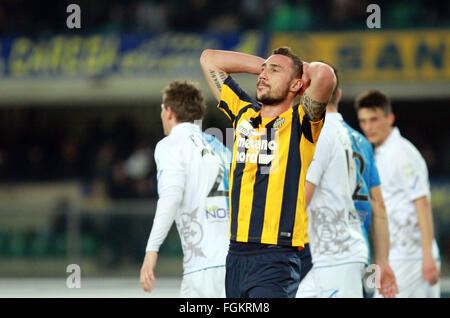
60, 68
165, 54
361, 56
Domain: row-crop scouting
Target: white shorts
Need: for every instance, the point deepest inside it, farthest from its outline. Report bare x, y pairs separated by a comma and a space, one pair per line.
339, 281
207, 283
410, 280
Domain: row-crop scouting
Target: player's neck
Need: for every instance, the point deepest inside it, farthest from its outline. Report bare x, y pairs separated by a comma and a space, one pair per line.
170, 125
385, 138
331, 108
270, 111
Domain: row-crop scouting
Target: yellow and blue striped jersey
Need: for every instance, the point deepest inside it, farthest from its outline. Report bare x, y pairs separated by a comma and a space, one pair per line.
268, 170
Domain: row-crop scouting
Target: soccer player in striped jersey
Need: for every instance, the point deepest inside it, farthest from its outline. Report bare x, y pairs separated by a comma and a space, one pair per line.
274, 145
193, 191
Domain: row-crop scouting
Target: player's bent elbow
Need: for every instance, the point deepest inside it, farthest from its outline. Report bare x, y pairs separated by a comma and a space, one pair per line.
326, 77
205, 57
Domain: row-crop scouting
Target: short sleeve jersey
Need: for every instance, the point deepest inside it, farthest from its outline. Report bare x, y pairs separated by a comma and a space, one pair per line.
334, 226
404, 178
268, 169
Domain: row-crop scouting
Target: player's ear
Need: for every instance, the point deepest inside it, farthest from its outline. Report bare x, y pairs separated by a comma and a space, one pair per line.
391, 118
296, 85
302, 87
339, 95
170, 113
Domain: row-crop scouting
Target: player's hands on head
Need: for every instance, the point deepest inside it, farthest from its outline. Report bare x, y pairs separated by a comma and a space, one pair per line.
147, 277
306, 79
430, 271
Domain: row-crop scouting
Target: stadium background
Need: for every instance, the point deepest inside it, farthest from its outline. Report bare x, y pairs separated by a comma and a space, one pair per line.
80, 112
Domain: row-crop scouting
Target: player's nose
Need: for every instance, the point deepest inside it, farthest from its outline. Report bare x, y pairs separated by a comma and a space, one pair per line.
262, 75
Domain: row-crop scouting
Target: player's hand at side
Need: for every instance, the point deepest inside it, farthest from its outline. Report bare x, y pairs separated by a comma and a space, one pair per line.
388, 284
147, 278
430, 272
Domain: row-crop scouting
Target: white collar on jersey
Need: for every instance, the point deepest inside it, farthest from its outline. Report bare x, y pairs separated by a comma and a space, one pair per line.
335, 115
395, 134
184, 126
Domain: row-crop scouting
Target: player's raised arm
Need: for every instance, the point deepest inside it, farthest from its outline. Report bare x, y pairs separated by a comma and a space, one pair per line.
217, 65
319, 81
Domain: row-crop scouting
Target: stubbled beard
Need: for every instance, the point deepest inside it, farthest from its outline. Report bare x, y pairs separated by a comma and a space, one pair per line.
268, 100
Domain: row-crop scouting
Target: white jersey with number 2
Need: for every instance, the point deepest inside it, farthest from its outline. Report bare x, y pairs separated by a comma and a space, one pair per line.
334, 227
338, 247
193, 171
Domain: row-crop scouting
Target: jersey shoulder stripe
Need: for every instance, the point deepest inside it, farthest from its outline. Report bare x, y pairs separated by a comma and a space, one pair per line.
234, 101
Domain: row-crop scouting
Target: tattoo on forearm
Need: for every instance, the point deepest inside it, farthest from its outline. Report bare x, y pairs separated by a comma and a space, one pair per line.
222, 76
218, 78
313, 108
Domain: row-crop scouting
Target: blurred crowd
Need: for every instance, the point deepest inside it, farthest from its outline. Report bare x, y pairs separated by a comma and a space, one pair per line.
118, 158
145, 16
116, 162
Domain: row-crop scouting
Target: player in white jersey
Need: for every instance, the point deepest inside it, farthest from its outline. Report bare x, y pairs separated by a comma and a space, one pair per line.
369, 205
414, 255
338, 247
193, 192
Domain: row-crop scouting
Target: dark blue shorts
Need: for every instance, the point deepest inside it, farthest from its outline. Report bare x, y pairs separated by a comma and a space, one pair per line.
263, 271
306, 261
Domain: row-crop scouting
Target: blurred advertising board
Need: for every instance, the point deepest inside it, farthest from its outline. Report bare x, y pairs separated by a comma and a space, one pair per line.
165, 54
377, 56
361, 56
117, 68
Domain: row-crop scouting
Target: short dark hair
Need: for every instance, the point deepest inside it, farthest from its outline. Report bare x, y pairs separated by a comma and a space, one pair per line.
374, 99
185, 99
298, 64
